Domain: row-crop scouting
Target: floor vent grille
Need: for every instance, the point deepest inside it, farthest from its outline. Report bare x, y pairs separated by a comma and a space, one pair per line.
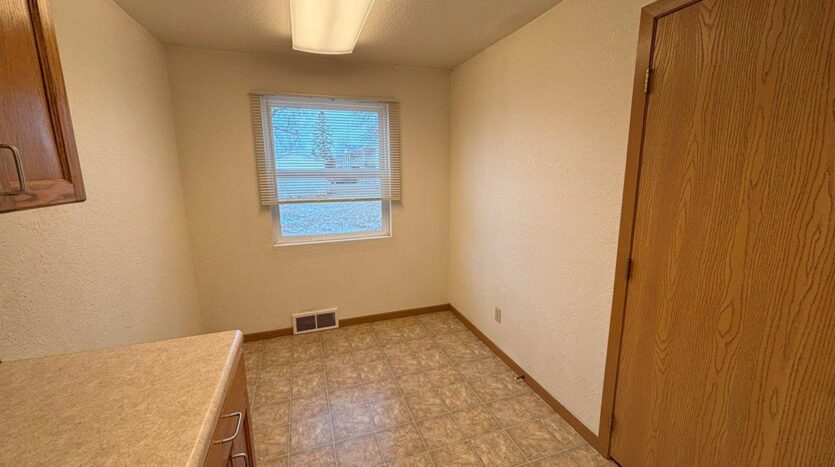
318, 320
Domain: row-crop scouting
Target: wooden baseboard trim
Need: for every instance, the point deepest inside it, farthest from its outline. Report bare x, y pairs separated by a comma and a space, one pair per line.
394, 314
256, 336
593, 439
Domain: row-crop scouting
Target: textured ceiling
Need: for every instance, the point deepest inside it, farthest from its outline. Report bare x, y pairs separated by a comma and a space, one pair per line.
435, 33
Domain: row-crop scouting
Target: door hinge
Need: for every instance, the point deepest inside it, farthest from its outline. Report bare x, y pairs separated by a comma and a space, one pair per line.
646, 81
627, 268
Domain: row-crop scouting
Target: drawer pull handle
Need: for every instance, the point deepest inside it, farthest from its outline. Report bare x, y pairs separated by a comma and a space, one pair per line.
21, 176
241, 455
240, 416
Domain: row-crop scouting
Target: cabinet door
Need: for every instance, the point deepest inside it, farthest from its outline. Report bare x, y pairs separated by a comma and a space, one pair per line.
35, 125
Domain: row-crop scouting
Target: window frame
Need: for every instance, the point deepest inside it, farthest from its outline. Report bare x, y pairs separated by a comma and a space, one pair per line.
281, 240
333, 103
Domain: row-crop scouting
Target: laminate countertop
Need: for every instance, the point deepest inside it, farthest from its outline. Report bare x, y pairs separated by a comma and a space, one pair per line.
145, 404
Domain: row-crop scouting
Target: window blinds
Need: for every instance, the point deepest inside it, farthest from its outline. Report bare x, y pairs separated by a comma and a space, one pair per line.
320, 149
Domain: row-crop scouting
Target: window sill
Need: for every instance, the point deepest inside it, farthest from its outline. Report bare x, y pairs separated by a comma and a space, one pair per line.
330, 240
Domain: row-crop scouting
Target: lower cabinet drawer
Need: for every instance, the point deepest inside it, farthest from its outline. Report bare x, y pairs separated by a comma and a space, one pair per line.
231, 435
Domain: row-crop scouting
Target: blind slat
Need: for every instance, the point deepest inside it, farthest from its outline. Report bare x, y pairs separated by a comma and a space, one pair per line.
316, 149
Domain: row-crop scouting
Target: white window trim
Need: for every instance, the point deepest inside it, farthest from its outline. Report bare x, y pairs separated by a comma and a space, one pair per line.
280, 240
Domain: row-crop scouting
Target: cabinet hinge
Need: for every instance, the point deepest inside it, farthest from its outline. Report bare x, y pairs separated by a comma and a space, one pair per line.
646, 81
627, 269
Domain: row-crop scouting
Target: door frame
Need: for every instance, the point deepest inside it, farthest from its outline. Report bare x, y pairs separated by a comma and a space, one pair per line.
646, 35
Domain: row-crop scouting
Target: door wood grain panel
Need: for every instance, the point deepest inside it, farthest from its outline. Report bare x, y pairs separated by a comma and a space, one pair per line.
727, 354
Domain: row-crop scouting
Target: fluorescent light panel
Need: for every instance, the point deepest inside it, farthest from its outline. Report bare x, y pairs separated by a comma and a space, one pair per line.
327, 26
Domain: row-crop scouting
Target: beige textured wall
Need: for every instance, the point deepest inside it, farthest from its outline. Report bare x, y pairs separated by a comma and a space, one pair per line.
242, 279
538, 148
115, 269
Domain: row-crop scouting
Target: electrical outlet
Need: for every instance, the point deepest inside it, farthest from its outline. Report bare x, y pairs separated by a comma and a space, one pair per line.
498, 315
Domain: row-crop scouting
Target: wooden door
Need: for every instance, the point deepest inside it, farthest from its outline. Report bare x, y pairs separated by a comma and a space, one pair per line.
727, 352
35, 124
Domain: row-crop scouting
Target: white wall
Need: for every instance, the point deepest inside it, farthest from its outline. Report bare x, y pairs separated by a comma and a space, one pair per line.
246, 282
116, 268
538, 147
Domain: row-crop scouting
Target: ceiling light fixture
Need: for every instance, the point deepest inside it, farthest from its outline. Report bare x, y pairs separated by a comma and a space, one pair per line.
327, 26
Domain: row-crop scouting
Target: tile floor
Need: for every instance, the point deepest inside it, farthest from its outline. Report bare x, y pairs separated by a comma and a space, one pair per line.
416, 391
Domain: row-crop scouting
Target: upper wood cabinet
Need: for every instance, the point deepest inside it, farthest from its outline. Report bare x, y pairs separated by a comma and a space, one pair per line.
38, 159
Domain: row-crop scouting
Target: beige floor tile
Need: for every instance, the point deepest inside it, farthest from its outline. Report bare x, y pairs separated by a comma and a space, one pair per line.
250, 394
562, 431
274, 371
363, 341
343, 398
251, 364
581, 456
337, 361
422, 460
359, 452
424, 343
333, 334
279, 462
458, 396
276, 356
456, 338
423, 382
319, 457
455, 455
351, 421
414, 383
358, 329
534, 439
253, 347
535, 405
389, 413
497, 450
444, 376
336, 347
414, 331
490, 389
510, 411
432, 358
310, 406
374, 371
466, 351
310, 433
381, 391
271, 443
397, 348
387, 336
267, 416
307, 352
281, 341
426, 404
404, 363
439, 431
307, 367
272, 388
400, 442
371, 354
304, 339
340, 376
489, 365
475, 421
307, 385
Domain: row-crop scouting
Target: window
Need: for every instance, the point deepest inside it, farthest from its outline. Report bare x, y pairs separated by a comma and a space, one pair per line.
328, 168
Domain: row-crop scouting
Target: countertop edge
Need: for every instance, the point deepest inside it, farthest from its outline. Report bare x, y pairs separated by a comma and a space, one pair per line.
204, 439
